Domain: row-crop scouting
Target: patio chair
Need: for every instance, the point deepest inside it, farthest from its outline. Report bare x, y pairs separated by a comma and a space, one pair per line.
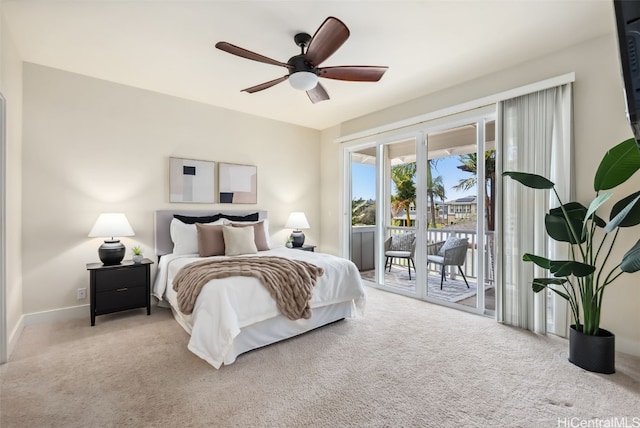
452, 252
400, 246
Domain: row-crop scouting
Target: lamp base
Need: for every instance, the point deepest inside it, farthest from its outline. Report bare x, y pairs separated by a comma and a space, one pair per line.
111, 252
297, 238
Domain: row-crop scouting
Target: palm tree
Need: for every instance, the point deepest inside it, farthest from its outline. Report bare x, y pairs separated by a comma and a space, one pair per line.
435, 188
469, 163
402, 176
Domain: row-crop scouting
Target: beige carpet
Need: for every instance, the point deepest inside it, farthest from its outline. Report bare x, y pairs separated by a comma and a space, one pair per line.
405, 364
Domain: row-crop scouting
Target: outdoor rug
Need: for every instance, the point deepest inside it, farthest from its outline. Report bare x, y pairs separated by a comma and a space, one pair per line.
453, 290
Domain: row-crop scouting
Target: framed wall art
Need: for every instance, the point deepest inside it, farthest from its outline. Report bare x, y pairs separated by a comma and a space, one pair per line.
191, 180
238, 183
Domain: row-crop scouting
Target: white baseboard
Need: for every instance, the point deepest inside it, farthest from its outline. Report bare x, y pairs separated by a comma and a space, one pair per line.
14, 336
63, 314
44, 317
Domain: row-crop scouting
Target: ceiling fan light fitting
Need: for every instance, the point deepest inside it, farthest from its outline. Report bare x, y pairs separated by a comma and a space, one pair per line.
303, 80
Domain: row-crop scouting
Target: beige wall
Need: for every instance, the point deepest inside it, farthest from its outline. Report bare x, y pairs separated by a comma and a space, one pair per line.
92, 146
599, 123
331, 171
11, 88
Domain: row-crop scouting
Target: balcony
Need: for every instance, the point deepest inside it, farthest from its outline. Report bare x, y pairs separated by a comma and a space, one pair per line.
454, 288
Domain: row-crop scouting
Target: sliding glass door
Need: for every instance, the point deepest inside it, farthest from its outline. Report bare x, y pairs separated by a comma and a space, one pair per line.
429, 230
460, 189
399, 217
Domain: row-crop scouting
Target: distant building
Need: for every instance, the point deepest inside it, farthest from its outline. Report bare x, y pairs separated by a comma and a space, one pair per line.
461, 209
401, 216
451, 212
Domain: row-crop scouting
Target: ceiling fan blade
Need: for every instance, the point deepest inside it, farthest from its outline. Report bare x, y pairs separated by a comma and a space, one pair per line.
241, 52
265, 85
317, 94
329, 37
353, 73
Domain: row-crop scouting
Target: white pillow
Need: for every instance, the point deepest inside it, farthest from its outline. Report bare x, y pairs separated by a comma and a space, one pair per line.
267, 236
238, 240
185, 236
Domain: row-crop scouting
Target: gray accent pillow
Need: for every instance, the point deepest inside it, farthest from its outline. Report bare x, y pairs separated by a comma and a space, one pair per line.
450, 243
402, 241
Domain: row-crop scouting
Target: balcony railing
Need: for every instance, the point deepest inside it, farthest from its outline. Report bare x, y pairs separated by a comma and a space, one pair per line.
363, 253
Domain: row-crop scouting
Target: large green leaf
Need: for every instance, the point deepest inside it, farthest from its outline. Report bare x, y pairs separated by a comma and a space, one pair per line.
577, 211
593, 207
540, 284
534, 181
560, 267
617, 165
538, 260
631, 260
558, 228
569, 267
626, 212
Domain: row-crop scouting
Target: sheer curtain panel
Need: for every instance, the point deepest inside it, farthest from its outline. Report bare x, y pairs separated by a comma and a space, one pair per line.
536, 137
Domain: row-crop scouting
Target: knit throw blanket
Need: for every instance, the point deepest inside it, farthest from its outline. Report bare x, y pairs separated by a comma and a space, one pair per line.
290, 282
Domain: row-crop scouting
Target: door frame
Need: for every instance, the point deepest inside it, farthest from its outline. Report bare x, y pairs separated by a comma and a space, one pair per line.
419, 132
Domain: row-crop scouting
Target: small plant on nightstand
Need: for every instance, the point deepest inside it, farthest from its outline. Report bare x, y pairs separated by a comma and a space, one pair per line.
137, 254
289, 243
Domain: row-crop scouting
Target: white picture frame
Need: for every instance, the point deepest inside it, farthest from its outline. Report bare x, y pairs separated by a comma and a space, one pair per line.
191, 180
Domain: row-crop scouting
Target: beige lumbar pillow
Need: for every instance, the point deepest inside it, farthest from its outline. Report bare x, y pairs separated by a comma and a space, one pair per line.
238, 240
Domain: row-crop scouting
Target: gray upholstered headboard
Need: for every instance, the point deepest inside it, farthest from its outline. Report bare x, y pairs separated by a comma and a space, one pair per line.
163, 243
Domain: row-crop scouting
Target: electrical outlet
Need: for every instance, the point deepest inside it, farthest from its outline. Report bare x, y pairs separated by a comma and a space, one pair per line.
82, 293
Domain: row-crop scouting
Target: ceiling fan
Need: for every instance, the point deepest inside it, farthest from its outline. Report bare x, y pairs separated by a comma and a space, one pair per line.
304, 69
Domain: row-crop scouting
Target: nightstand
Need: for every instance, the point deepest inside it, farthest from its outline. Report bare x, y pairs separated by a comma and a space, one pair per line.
311, 248
119, 287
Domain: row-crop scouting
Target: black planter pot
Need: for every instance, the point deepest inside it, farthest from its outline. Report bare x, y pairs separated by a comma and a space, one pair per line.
593, 353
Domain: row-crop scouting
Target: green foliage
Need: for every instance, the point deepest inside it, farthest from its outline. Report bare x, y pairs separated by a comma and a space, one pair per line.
363, 212
583, 279
137, 250
469, 163
435, 189
403, 176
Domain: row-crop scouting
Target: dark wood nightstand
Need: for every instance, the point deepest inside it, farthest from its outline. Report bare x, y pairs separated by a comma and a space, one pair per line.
119, 287
311, 248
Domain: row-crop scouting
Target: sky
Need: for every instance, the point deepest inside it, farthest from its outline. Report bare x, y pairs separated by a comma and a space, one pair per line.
364, 180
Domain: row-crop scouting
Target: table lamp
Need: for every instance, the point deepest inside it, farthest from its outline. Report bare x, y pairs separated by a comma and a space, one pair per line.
111, 225
297, 221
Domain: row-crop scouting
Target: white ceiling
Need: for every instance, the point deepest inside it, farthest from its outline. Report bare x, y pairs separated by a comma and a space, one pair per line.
168, 46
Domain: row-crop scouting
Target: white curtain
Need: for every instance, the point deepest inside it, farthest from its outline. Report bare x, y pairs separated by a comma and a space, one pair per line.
536, 137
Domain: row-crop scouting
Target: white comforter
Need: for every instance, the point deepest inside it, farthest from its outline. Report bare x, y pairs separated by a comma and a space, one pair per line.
225, 306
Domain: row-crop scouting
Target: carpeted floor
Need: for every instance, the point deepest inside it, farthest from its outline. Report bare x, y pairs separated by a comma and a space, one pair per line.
407, 363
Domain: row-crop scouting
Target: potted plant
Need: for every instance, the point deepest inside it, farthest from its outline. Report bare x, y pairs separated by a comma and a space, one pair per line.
583, 279
137, 254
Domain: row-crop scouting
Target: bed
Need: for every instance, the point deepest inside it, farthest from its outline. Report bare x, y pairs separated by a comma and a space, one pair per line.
237, 314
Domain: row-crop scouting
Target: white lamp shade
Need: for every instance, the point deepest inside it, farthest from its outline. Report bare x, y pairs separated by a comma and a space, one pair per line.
297, 220
111, 225
303, 80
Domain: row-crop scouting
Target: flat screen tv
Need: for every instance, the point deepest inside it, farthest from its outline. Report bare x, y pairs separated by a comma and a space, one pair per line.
628, 24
